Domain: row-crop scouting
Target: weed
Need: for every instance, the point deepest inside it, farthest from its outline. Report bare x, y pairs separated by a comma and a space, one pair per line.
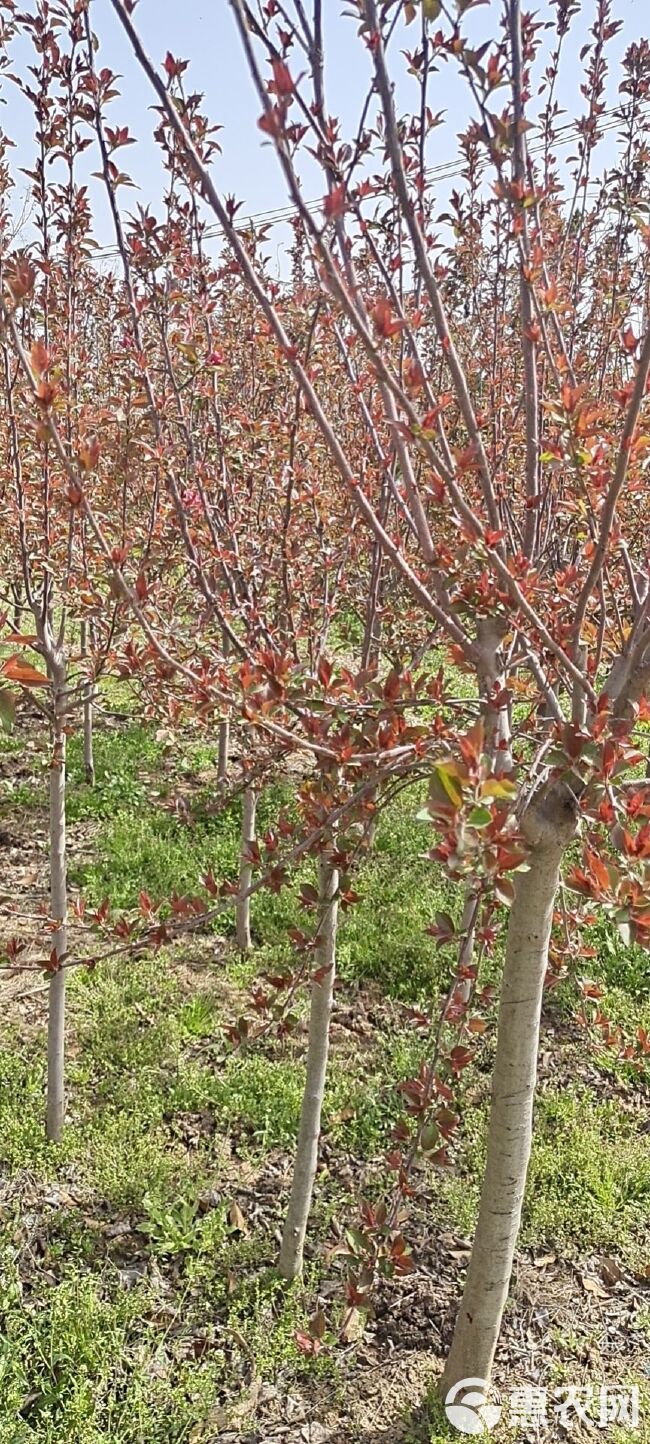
143, 1305
588, 1180
175, 1226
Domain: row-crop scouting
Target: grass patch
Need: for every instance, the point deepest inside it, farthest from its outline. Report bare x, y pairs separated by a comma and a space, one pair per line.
144, 846
131, 1303
588, 1183
126, 764
95, 1362
137, 1318
383, 938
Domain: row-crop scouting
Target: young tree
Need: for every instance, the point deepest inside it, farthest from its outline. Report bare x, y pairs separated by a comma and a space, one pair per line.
60, 394
41, 318
302, 1185
514, 410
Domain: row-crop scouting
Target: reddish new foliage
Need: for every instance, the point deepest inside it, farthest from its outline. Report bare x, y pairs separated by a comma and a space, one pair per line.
391, 513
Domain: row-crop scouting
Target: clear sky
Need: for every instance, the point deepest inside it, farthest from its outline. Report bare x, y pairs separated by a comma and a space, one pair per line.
203, 31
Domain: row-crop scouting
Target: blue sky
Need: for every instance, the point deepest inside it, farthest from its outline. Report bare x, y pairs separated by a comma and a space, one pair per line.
203, 31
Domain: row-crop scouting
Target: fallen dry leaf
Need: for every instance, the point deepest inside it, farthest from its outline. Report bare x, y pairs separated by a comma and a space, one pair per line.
353, 1327
236, 1218
592, 1286
610, 1270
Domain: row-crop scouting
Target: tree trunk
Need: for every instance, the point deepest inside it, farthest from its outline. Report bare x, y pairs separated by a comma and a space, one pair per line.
370, 654
224, 729
18, 605
304, 1171
243, 919
58, 910
224, 749
550, 826
88, 701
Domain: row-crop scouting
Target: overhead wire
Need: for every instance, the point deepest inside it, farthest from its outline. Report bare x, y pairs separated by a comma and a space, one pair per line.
444, 170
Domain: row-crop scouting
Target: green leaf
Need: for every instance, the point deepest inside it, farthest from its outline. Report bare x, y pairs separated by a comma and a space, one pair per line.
445, 774
480, 817
498, 787
7, 709
429, 1138
431, 9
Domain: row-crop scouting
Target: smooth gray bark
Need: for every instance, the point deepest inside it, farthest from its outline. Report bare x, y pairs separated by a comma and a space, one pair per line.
88, 717
306, 1160
224, 750
243, 915
550, 826
58, 910
224, 729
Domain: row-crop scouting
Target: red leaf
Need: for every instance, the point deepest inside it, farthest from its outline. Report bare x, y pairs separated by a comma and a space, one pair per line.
282, 84
39, 357
392, 685
17, 670
272, 121
334, 203
54, 962
174, 67
630, 341
89, 453
385, 323
306, 1344
598, 870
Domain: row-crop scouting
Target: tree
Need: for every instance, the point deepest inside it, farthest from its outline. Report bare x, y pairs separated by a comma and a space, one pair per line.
515, 416
61, 393
43, 341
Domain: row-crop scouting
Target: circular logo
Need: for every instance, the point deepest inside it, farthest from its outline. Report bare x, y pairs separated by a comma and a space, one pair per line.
467, 1408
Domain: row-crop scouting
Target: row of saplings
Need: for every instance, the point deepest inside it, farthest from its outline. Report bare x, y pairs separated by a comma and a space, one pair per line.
474, 1346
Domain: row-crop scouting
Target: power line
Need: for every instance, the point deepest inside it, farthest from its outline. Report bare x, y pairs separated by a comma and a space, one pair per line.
445, 170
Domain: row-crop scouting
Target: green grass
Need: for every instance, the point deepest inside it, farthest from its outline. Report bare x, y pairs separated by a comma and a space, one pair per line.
131, 1304
155, 853
588, 1182
620, 965
10, 745
127, 762
383, 938
97, 1363
147, 1360
157, 1109
143, 845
